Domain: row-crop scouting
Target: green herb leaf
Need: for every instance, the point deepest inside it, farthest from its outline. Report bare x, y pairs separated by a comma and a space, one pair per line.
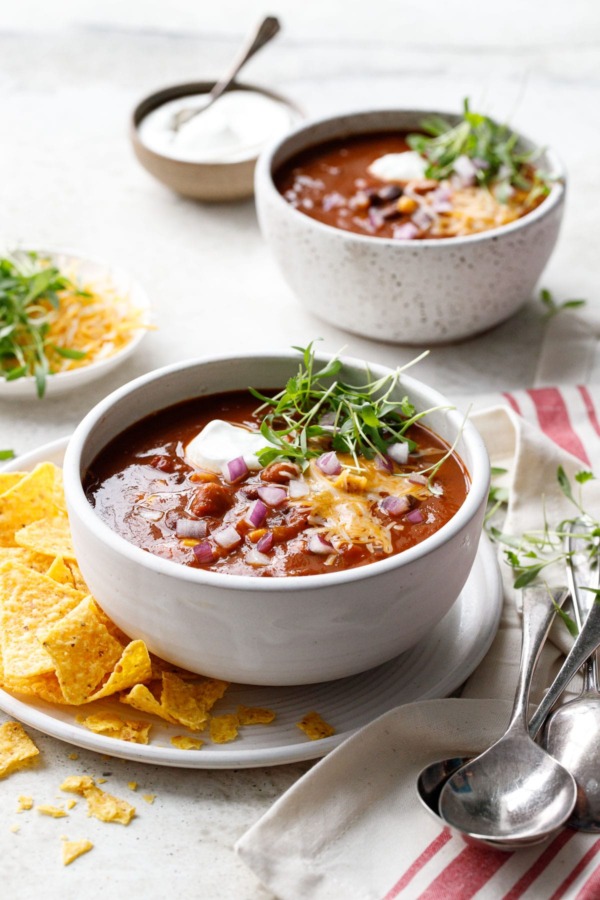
7, 454
69, 354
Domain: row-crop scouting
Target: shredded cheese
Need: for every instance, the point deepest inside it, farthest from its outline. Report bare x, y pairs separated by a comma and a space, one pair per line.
475, 209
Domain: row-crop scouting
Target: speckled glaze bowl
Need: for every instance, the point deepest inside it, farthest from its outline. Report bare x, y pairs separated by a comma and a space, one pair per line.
278, 631
405, 292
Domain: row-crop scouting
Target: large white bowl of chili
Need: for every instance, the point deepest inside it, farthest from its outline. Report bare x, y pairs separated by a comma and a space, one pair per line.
267, 625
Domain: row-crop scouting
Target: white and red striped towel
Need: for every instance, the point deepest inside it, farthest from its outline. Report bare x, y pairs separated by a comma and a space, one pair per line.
353, 827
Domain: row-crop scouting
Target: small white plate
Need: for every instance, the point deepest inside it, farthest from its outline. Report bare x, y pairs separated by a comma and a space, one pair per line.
435, 667
97, 273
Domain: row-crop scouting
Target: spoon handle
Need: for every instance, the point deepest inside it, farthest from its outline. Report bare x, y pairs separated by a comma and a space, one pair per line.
583, 578
538, 614
587, 642
267, 30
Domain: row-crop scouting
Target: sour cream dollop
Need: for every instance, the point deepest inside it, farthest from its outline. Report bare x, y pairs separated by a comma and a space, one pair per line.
402, 167
220, 441
234, 128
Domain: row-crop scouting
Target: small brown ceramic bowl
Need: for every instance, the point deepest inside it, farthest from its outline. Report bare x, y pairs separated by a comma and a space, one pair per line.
212, 181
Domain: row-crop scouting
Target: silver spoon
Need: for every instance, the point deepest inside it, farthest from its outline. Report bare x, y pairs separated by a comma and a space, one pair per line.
265, 32
571, 734
514, 790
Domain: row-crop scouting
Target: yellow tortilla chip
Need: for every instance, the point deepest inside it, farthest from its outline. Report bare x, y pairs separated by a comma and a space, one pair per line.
77, 784
149, 798
255, 715
29, 603
51, 536
133, 667
28, 500
72, 849
111, 725
77, 576
107, 808
56, 812
16, 748
223, 728
141, 698
25, 803
186, 743
178, 699
32, 560
46, 687
82, 651
59, 571
315, 727
9, 479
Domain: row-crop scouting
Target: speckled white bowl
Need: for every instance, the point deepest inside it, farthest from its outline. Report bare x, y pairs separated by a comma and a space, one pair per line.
406, 292
286, 630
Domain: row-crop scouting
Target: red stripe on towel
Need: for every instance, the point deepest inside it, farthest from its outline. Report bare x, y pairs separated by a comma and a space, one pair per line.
589, 407
554, 421
512, 402
422, 860
591, 889
466, 874
535, 870
573, 874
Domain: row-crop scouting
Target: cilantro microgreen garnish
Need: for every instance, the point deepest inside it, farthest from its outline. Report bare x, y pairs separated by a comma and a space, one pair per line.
29, 291
530, 554
493, 148
316, 410
553, 307
7, 454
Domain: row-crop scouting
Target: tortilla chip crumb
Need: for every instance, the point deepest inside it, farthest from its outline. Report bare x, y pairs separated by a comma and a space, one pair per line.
15, 828
223, 728
24, 803
101, 805
132, 785
71, 803
47, 810
72, 849
73, 755
255, 715
16, 748
77, 784
182, 742
100, 780
132, 730
149, 798
315, 727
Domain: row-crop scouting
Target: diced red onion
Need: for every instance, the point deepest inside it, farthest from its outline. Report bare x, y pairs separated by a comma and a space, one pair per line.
257, 513
329, 464
271, 495
266, 542
415, 516
298, 488
332, 201
375, 218
191, 528
318, 544
417, 479
466, 170
227, 537
422, 219
327, 420
480, 163
235, 469
398, 452
204, 552
405, 232
395, 506
384, 463
255, 558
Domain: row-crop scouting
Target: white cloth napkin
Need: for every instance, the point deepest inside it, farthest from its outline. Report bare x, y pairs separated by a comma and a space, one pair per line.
353, 827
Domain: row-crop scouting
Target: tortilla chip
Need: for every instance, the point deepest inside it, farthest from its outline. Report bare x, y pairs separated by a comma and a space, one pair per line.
107, 808
45, 687
111, 725
9, 479
60, 572
36, 561
29, 603
51, 536
72, 849
82, 651
56, 812
315, 727
179, 700
77, 784
25, 803
30, 499
255, 715
186, 743
141, 698
133, 667
223, 728
16, 748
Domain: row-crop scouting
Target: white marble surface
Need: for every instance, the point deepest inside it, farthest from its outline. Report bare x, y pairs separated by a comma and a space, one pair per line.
70, 73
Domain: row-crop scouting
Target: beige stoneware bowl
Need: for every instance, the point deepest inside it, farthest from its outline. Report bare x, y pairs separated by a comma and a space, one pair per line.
406, 292
209, 181
258, 630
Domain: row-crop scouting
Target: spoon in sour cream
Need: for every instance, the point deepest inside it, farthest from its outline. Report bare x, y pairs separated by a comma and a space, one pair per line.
264, 33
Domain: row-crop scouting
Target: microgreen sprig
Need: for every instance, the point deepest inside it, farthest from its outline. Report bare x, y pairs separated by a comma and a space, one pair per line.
316, 408
553, 307
7, 454
29, 290
494, 149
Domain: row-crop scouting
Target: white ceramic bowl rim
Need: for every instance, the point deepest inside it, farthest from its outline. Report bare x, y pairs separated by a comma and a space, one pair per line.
479, 474
265, 171
115, 273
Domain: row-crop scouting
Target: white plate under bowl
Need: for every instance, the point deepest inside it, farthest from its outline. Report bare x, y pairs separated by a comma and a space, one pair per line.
435, 667
97, 274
